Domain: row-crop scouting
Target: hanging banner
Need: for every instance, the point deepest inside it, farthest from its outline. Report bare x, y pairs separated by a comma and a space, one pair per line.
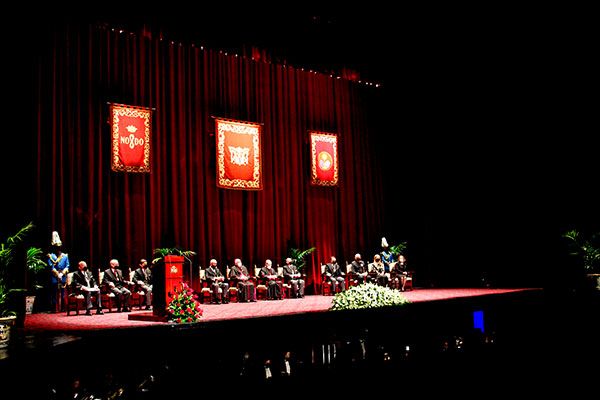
130, 127
238, 155
324, 159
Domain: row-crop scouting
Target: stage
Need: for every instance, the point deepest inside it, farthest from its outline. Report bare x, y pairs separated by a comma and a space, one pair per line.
235, 311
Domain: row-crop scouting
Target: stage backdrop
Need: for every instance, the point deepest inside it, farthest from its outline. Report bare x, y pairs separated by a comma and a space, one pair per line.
101, 214
238, 155
131, 127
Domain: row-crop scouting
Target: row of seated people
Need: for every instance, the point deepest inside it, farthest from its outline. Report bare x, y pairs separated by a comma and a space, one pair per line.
395, 275
240, 285
113, 289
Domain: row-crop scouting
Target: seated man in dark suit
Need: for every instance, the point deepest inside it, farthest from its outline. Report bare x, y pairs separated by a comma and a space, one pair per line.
377, 274
293, 277
334, 273
400, 273
245, 285
216, 281
269, 277
113, 277
85, 284
359, 269
143, 279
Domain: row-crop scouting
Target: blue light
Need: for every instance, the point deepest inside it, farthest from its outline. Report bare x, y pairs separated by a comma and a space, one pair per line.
478, 320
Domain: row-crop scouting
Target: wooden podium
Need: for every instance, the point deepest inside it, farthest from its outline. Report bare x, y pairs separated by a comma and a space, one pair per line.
167, 277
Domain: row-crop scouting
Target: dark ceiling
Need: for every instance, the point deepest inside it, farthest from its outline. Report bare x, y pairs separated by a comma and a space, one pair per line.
328, 43
391, 44
395, 45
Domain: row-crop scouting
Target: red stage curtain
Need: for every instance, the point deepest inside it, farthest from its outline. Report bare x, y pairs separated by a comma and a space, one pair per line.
103, 214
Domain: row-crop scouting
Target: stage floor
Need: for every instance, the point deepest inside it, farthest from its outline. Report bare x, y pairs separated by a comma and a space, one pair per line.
212, 312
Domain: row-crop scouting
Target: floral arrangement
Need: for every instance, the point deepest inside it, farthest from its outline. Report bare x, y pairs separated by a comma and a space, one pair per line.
184, 307
367, 295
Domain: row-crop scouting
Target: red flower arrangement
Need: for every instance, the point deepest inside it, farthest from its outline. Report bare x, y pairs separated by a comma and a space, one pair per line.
184, 307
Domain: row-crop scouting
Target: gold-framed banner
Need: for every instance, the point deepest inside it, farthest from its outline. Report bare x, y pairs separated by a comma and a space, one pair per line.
239, 160
324, 158
130, 130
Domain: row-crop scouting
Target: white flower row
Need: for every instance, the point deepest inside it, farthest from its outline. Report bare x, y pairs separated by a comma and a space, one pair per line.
367, 295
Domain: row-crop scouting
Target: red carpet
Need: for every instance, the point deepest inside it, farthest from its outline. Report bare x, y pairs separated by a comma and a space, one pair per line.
309, 304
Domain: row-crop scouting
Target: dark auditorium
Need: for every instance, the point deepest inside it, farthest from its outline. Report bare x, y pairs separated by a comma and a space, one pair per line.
228, 201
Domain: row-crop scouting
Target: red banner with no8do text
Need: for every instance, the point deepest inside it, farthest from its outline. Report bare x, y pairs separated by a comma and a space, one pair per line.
130, 129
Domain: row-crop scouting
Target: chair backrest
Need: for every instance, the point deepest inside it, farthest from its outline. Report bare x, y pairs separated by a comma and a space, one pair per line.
202, 274
370, 267
348, 267
70, 278
101, 277
280, 271
256, 271
131, 273
323, 266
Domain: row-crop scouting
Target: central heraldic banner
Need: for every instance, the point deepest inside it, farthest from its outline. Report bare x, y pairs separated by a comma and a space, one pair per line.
239, 161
